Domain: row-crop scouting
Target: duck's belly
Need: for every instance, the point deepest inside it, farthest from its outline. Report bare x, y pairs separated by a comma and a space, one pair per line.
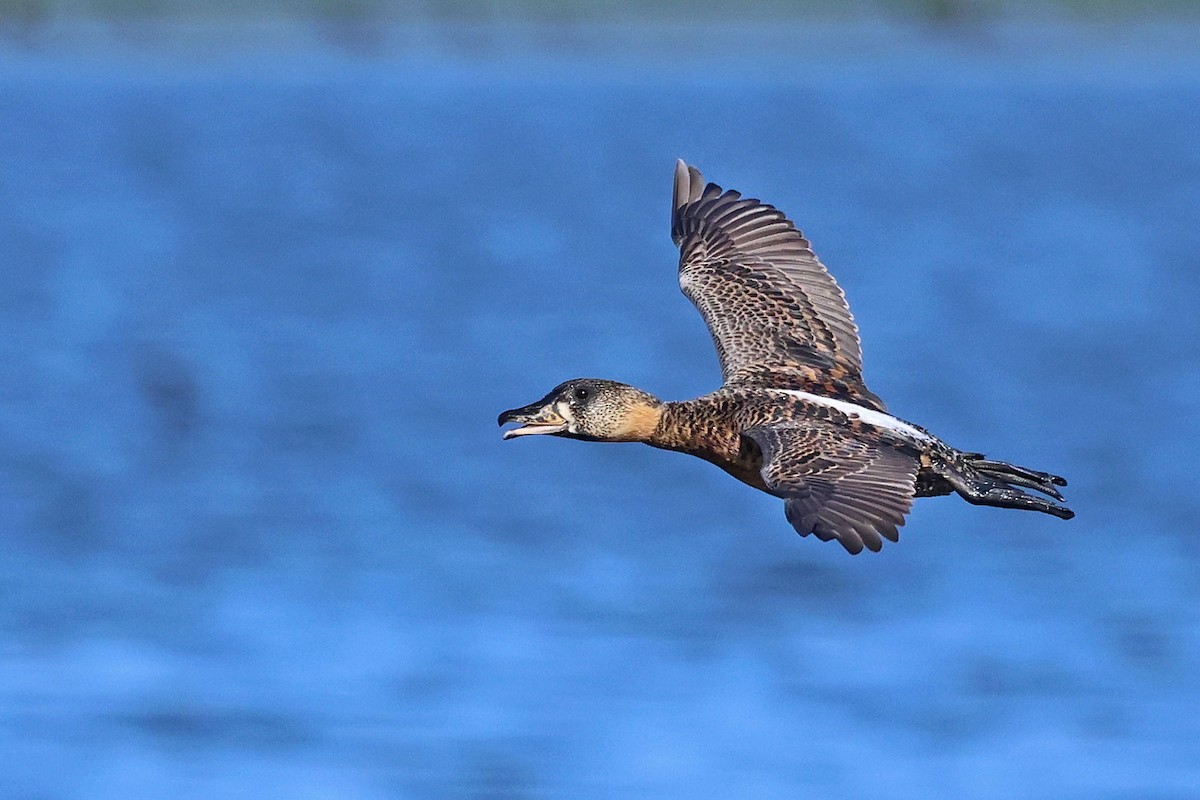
745, 463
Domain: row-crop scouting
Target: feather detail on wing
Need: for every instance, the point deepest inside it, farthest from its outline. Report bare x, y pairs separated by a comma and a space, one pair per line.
777, 316
837, 486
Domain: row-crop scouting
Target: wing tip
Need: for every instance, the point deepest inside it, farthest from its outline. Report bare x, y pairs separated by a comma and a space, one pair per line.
689, 184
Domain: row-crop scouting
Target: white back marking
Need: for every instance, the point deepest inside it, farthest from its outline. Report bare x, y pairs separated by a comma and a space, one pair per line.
868, 415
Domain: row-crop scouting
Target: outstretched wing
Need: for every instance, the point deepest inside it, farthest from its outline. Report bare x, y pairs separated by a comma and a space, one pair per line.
777, 316
836, 486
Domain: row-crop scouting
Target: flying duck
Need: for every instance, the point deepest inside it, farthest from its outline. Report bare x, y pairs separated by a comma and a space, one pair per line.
793, 417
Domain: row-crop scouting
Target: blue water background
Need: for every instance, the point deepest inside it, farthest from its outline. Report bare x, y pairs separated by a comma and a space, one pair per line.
259, 534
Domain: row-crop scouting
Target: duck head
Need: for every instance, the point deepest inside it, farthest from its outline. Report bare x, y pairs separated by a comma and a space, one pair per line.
590, 409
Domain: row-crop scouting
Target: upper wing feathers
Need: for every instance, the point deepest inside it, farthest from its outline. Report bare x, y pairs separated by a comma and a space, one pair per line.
769, 303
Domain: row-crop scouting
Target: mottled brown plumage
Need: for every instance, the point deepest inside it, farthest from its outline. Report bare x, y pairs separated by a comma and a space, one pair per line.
794, 417
775, 313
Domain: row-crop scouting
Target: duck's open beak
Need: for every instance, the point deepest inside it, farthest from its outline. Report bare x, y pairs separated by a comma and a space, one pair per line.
540, 417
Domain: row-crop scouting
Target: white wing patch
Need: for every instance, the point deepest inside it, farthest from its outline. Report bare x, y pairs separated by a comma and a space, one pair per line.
868, 415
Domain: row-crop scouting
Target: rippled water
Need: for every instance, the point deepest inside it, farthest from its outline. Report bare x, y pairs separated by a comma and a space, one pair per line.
261, 537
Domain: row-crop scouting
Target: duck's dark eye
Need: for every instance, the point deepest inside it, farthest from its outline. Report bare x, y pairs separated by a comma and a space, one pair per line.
581, 393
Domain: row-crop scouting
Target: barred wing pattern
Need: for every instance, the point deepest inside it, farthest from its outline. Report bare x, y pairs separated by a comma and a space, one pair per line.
836, 486
773, 310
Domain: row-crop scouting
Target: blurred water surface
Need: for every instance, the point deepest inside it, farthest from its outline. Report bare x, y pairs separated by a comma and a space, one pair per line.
261, 537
